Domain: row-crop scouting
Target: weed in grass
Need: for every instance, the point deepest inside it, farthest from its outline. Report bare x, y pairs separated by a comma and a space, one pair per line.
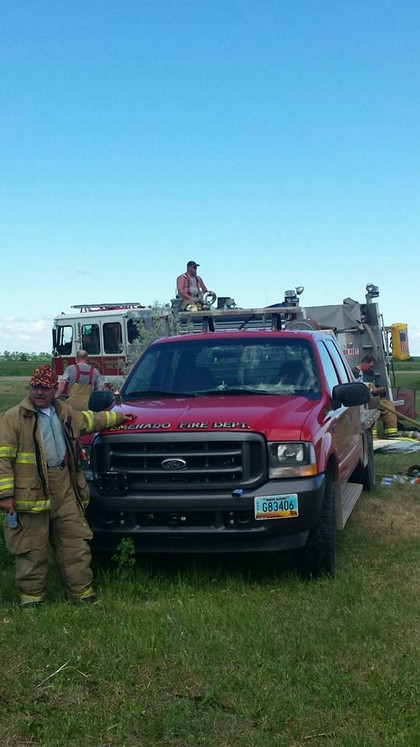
125, 557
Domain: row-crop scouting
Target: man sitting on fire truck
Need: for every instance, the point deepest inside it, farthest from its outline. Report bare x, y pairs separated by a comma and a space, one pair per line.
190, 288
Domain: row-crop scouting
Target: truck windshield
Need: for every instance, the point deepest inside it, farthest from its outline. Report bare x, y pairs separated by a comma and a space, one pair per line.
262, 366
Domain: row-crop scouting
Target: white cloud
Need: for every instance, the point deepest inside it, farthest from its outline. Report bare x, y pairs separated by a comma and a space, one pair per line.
22, 335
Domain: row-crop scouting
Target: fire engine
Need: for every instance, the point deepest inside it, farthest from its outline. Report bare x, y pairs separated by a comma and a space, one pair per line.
107, 331
104, 330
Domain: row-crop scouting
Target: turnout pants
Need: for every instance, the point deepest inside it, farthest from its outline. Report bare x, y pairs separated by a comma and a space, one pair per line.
389, 419
66, 528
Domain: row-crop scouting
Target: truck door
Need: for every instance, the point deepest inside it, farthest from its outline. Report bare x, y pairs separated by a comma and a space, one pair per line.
64, 338
345, 420
113, 346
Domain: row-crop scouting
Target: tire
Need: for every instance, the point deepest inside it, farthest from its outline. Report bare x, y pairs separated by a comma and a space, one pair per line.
366, 474
302, 324
319, 556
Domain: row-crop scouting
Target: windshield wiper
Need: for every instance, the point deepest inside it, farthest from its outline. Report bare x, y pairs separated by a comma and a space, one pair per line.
239, 390
157, 393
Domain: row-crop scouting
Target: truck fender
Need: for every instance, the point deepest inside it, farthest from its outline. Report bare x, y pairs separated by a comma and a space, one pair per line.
325, 454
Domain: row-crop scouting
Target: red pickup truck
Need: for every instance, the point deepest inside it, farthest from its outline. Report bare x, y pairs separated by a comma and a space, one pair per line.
241, 441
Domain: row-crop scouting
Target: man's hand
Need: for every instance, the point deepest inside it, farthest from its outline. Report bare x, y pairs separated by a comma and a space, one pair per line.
7, 505
128, 416
378, 390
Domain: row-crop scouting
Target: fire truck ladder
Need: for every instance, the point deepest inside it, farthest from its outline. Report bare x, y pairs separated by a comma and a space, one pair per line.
84, 308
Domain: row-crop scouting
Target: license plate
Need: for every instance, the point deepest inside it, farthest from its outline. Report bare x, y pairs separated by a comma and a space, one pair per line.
277, 507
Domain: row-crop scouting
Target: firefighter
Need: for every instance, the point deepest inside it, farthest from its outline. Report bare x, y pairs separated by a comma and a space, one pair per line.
190, 287
41, 479
364, 371
79, 381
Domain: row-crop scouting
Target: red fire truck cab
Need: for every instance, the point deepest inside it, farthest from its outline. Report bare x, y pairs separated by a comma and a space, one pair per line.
105, 331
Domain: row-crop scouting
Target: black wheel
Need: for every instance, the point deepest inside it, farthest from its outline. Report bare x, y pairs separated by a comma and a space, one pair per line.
319, 556
366, 474
369, 476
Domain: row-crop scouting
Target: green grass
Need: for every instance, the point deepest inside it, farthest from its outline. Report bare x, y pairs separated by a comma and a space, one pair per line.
13, 367
407, 378
407, 373
12, 391
220, 652
227, 652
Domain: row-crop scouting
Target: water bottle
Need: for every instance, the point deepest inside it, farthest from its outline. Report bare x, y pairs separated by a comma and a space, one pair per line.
387, 481
12, 520
399, 479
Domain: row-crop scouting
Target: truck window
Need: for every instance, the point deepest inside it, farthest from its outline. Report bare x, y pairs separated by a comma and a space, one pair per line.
338, 363
112, 337
330, 373
156, 371
64, 339
90, 338
132, 330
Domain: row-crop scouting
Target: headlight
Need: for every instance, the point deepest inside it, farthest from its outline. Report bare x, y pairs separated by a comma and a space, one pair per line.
291, 459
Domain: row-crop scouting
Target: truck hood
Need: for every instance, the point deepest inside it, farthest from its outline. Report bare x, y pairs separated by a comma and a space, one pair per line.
258, 413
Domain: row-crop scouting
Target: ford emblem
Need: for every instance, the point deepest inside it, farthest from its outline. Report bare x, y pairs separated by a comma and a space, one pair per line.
174, 464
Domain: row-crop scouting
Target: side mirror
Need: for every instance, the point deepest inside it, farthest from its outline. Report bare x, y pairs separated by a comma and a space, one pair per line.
352, 394
101, 400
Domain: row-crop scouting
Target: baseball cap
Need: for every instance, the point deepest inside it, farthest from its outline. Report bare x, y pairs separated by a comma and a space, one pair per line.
44, 376
191, 263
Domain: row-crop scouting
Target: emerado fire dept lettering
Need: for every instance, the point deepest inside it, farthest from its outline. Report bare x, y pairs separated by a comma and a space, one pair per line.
181, 426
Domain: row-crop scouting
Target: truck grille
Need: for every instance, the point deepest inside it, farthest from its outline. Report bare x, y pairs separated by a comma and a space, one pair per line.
171, 462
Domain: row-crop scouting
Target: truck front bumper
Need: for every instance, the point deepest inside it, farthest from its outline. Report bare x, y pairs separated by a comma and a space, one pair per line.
204, 523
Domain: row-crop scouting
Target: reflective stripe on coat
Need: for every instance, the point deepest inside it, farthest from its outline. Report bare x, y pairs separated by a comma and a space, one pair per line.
23, 467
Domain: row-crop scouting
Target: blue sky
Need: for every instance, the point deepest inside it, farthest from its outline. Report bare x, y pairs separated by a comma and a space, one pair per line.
275, 142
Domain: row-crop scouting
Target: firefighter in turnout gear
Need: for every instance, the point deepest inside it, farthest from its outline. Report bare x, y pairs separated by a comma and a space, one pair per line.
41, 478
364, 371
80, 380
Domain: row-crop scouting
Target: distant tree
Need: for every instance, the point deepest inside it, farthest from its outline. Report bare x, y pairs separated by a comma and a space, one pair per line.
163, 324
17, 356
